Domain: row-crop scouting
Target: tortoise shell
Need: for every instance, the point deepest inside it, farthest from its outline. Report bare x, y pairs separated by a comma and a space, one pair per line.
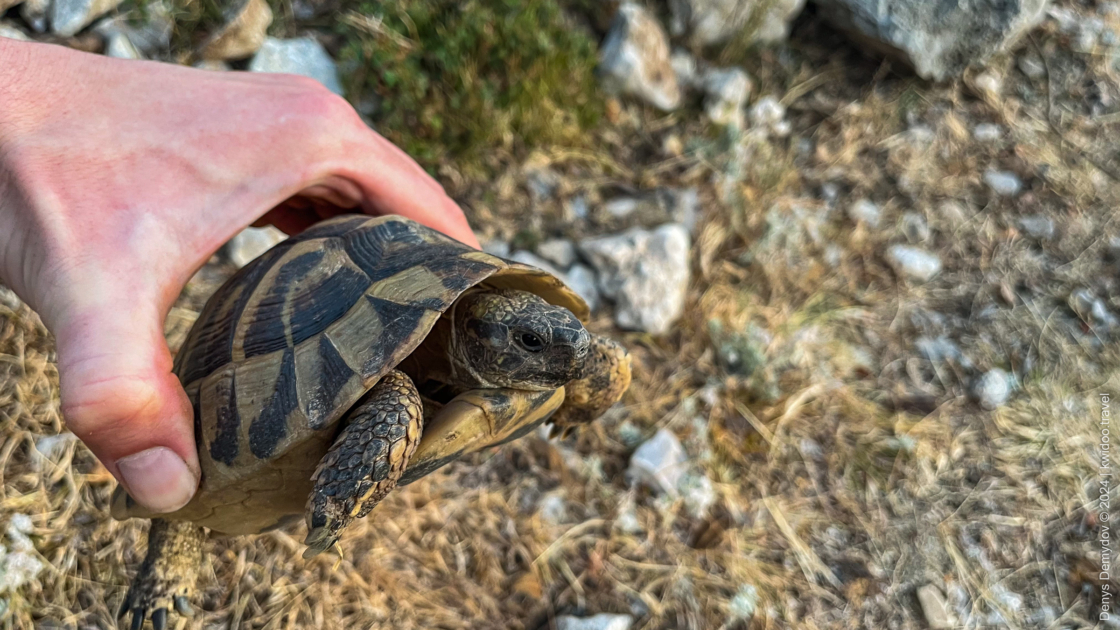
287, 345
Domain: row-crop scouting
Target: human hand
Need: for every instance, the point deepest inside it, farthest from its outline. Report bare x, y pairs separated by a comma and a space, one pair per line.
119, 179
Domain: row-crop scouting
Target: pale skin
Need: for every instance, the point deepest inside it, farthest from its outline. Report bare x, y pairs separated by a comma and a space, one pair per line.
119, 179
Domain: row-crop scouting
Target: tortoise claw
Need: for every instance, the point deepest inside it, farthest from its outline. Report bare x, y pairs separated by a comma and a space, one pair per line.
183, 606
138, 615
159, 619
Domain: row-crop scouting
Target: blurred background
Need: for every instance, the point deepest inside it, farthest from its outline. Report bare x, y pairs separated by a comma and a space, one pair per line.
865, 254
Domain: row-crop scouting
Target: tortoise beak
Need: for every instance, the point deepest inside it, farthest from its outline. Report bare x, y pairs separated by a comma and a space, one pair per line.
574, 337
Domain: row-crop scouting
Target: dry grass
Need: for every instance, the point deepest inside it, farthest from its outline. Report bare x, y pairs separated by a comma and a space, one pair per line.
850, 467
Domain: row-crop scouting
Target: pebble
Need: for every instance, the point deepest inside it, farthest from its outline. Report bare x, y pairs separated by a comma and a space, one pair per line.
12, 31
913, 262
149, 35
1031, 65
684, 64
120, 47
304, 56
989, 83
744, 604
934, 608
250, 243
213, 65
646, 273
865, 211
553, 508
560, 252
243, 33
634, 59
726, 91
660, 463
34, 12
993, 388
1037, 226
769, 113
67, 17
583, 281
621, 207
1004, 183
987, 132
601, 621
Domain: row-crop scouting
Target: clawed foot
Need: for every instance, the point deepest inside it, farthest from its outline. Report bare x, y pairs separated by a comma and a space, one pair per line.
166, 578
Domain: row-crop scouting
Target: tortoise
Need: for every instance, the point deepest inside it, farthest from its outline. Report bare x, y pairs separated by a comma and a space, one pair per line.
361, 355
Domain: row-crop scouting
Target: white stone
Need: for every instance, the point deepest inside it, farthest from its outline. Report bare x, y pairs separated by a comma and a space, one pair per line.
744, 604
1004, 183
212, 64
598, 622
553, 508
634, 59
769, 113
120, 47
993, 388
34, 12
559, 251
660, 463
864, 211
646, 273
987, 132
149, 36
252, 242
1037, 226
304, 56
11, 31
913, 262
70, 16
726, 91
935, 609
716, 21
684, 64
585, 283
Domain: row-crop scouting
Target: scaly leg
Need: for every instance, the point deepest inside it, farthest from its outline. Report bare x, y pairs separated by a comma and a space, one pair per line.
167, 576
365, 461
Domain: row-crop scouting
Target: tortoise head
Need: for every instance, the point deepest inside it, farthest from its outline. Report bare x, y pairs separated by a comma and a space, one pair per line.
515, 339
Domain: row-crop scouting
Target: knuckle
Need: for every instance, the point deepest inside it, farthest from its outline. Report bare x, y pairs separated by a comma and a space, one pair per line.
110, 404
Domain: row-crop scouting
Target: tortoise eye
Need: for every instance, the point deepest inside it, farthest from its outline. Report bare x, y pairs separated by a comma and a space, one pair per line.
531, 342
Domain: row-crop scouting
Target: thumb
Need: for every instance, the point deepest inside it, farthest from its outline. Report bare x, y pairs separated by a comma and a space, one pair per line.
121, 399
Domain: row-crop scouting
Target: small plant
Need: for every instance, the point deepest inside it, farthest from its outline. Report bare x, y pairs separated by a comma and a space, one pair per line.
454, 79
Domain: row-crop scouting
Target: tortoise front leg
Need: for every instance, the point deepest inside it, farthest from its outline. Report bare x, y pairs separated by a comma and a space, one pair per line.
366, 460
167, 576
605, 378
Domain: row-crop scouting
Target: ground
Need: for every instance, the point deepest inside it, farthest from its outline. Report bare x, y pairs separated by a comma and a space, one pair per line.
827, 397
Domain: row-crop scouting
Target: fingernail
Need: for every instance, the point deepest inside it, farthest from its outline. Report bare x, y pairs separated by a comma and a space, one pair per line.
158, 479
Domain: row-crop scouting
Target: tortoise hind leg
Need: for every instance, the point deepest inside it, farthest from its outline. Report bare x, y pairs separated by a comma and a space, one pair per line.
366, 460
167, 576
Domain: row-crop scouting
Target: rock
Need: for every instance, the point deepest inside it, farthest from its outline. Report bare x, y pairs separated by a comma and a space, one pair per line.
560, 252
913, 262
715, 21
531, 259
212, 64
627, 520
768, 113
646, 273
914, 227
634, 59
621, 207
553, 508
21, 566
744, 604
934, 607
1003, 183
989, 83
698, 492
660, 463
242, 34
120, 47
726, 90
34, 12
992, 389
938, 39
1091, 309
1037, 226
304, 56
584, 282
684, 64
683, 205
67, 17
865, 211
11, 31
1032, 65
149, 35
497, 248
250, 243
987, 132
597, 622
